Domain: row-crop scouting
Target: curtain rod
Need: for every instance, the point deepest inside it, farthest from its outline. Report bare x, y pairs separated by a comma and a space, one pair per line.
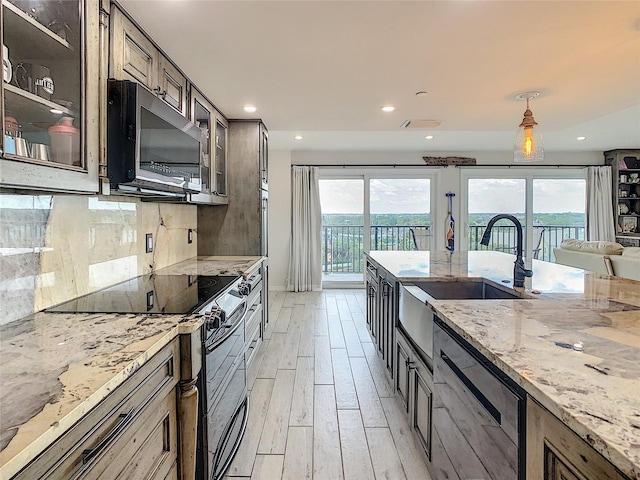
527, 165
417, 165
366, 165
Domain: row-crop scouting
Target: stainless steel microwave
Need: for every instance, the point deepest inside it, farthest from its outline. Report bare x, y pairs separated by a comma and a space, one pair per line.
150, 146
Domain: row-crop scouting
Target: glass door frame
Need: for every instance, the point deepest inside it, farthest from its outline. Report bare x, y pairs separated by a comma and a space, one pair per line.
529, 175
370, 172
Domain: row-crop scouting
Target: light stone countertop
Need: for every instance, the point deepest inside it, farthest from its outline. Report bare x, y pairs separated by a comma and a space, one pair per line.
595, 392
55, 367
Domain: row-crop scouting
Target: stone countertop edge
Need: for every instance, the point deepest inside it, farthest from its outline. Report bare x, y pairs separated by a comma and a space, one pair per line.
626, 461
244, 265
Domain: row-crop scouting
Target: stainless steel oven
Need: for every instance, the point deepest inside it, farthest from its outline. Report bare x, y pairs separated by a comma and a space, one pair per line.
222, 383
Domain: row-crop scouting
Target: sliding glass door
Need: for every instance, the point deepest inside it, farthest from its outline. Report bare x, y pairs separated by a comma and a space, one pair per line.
368, 212
342, 204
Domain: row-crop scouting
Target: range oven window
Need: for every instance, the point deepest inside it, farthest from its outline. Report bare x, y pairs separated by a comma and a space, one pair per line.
167, 150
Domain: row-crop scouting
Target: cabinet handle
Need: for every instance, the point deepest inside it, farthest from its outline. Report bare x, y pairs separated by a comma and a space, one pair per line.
123, 421
160, 92
410, 365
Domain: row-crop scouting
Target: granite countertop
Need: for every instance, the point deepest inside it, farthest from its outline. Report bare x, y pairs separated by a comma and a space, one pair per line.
55, 367
595, 392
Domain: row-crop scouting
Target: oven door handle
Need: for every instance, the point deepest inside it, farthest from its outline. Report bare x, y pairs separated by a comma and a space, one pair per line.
229, 329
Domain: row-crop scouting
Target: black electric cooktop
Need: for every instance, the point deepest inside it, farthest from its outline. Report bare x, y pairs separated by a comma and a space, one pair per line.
151, 294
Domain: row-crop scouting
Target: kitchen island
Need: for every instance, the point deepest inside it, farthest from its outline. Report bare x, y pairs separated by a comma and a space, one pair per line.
56, 367
595, 392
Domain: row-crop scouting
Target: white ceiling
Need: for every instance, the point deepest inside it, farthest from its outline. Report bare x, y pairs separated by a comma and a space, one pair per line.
323, 69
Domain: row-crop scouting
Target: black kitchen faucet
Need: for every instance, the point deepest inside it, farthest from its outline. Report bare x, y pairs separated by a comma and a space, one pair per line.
519, 270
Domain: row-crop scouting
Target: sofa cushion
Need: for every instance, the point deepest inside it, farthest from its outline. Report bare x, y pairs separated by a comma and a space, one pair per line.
601, 247
631, 252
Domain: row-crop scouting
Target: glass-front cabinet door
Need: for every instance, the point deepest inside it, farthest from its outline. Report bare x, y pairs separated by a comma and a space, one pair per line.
213, 171
50, 128
221, 157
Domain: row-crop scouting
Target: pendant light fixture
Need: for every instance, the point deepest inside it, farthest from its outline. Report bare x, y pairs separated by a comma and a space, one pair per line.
528, 146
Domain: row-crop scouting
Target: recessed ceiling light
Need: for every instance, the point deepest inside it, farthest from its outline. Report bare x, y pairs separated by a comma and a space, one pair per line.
421, 94
298, 137
387, 108
249, 108
581, 138
56, 111
429, 137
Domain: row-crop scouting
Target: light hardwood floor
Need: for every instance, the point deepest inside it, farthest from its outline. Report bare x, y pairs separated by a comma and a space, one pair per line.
320, 404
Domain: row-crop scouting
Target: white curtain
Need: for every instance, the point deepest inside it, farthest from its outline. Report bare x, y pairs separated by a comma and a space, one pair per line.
600, 223
305, 257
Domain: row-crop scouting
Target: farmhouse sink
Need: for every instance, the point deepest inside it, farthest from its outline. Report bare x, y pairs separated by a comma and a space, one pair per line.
468, 289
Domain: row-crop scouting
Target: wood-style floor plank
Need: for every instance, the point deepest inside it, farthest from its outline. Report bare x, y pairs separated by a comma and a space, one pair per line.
378, 370
386, 462
298, 457
352, 340
281, 324
288, 358
306, 347
270, 361
345, 388
327, 457
336, 337
302, 402
370, 406
353, 444
321, 325
242, 464
276, 423
323, 368
412, 460
268, 467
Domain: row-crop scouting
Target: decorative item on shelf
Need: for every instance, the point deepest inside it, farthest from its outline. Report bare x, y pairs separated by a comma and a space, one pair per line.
40, 151
634, 178
528, 146
11, 131
623, 178
7, 69
65, 142
623, 208
34, 79
629, 224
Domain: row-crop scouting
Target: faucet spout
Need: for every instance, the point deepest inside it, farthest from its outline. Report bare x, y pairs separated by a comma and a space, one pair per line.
519, 269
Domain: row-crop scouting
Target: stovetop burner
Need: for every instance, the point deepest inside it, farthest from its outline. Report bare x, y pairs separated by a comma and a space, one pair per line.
169, 294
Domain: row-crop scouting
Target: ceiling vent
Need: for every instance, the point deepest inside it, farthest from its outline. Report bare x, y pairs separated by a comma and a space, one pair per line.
421, 124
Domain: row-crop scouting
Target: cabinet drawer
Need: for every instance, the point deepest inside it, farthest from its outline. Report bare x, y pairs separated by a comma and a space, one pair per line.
146, 447
66, 455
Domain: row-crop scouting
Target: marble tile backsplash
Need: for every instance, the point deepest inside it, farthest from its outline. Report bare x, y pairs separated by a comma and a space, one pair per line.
56, 247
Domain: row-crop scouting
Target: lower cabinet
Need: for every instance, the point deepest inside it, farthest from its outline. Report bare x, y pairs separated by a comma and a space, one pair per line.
554, 452
414, 390
132, 433
382, 312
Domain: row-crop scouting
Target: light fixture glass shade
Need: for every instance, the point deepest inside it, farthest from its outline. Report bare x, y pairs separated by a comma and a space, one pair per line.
528, 146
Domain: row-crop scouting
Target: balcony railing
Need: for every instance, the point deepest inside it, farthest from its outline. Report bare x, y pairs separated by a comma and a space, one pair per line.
503, 238
342, 245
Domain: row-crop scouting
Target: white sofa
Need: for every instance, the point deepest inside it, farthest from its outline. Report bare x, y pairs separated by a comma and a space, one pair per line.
601, 257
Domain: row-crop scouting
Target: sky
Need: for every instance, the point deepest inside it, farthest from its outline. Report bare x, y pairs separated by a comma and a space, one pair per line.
387, 196
486, 195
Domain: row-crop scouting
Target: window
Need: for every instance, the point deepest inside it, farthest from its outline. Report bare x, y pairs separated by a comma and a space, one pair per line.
552, 203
